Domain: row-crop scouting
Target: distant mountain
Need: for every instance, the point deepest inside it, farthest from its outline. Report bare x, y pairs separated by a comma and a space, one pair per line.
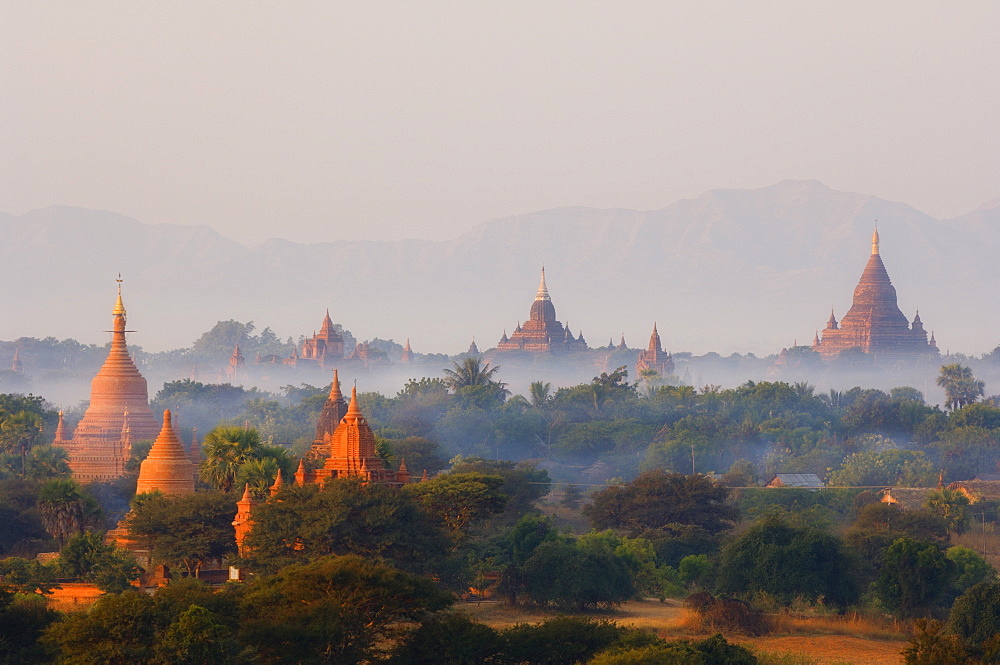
731, 270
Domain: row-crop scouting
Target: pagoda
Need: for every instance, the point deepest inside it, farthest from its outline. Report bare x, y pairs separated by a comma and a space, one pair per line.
654, 357
324, 347
349, 452
334, 410
542, 332
167, 468
117, 416
875, 323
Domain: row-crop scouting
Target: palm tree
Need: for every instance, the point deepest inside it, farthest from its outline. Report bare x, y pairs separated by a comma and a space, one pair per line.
961, 388
539, 391
48, 461
952, 506
62, 509
259, 474
471, 372
19, 431
227, 448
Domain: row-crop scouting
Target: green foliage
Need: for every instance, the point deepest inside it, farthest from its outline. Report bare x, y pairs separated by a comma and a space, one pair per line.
777, 557
931, 645
24, 576
197, 637
657, 499
23, 618
461, 498
335, 609
915, 577
449, 639
961, 388
86, 556
185, 531
712, 651
523, 483
975, 615
893, 467
951, 506
566, 575
346, 516
527, 534
559, 641
203, 405
970, 567
118, 630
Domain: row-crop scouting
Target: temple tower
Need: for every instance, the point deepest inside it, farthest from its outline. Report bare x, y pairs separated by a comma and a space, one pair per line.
542, 331
167, 467
334, 410
96, 450
874, 322
654, 357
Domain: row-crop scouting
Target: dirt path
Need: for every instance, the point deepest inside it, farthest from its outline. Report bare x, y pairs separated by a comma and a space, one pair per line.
666, 620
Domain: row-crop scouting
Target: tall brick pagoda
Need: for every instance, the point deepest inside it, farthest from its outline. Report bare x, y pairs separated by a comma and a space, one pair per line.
874, 323
654, 357
118, 414
542, 332
334, 410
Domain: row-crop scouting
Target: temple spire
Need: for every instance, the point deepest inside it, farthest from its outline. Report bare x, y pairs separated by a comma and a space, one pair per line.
335, 394
543, 291
875, 240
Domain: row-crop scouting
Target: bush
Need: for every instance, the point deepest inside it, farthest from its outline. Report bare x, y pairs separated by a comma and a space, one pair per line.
728, 615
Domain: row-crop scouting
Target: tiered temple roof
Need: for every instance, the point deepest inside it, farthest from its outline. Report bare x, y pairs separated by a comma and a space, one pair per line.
334, 410
654, 357
324, 347
119, 409
541, 332
874, 323
167, 468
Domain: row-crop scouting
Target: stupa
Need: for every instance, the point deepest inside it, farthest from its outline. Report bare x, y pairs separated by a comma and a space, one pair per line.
167, 468
875, 323
118, 414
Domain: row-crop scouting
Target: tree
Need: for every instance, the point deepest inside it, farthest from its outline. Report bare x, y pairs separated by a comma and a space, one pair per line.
461, 498
788, 561
198, 637
970, 568
471, 372
560, 640
884, 467
960, 386
335, 610
187, 530
915, 577
19, 432
656, 499
952, 506
62, 508
227, 448
345, 517
449, 639
118, 630
86, 556
565, 575
539, 391
975, 616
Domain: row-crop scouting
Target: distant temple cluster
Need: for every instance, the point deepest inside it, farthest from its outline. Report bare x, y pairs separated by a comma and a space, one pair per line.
874, 323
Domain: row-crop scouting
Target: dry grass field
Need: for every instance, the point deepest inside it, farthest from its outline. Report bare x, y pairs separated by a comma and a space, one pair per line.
795, 639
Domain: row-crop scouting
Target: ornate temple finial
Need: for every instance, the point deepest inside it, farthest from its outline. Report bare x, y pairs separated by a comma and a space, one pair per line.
353, 409
543, 291
875, 240
119, 305
335, 394
246, 494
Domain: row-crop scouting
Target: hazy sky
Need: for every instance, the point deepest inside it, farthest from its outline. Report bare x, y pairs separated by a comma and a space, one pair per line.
316, 120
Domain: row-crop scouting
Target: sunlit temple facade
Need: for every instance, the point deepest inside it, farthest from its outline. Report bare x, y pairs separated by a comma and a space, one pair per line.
347, 452
654, 357
118, 414
542, 332
875, 323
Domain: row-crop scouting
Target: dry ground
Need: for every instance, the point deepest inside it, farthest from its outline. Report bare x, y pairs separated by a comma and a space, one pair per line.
822, 640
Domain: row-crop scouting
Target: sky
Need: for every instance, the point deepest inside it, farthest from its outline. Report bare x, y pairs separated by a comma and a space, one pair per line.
318, 120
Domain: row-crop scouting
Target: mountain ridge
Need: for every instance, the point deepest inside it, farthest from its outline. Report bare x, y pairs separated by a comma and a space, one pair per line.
729, 270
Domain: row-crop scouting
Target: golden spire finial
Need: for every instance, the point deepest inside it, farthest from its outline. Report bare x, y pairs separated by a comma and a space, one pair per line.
543, 291
875, 240
119, 305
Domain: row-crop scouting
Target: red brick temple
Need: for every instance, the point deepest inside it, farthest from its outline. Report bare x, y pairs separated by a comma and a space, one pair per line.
118, 414
875, 323
654, 357
542, 332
